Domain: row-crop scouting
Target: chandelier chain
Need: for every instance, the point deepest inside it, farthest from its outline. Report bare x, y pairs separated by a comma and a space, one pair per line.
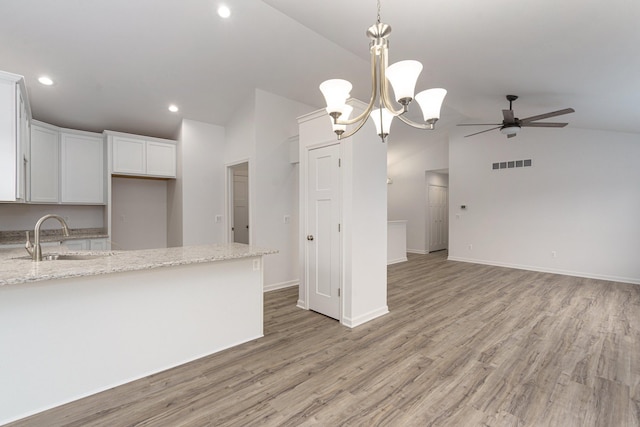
378, 11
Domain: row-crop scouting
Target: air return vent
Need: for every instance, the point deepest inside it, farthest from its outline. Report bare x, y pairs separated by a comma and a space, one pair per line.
509, 164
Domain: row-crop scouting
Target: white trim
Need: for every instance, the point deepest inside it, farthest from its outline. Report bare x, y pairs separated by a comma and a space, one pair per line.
352, 323
417, 251
635, 281
396, 261
281, 285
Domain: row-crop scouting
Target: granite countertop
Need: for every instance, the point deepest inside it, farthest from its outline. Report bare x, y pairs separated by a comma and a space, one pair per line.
53, 235
16, 266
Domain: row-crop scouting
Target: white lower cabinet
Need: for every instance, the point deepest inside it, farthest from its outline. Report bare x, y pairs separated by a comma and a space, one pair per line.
87, 245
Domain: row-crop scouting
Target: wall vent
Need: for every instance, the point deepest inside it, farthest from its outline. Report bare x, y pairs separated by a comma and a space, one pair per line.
511, 164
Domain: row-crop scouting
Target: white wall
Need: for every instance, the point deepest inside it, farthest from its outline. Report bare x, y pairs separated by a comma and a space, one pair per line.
202, 182
275, 186
411, 153
580, 199
139, 213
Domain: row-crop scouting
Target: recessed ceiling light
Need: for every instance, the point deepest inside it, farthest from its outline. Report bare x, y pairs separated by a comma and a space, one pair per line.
173, 108
45, 81
224, 11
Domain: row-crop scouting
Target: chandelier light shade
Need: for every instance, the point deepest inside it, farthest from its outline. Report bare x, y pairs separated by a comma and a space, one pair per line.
401, 76
384, 116
430, 101
336, 92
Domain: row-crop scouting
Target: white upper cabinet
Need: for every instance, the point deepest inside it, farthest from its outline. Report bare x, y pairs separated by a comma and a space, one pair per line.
142, 156
15, 116
129, 156
67, 166
82, 168
45, 164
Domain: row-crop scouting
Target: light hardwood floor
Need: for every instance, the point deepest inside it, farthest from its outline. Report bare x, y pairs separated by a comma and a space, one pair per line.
463, 345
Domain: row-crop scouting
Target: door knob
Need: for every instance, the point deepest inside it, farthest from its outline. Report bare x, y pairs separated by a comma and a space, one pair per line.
310, 237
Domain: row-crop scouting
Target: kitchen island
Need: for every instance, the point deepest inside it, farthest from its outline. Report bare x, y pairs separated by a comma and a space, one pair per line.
74, 327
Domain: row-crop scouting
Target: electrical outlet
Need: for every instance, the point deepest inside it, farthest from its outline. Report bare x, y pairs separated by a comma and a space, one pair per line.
287, 219
470, 247
553, 254
256, 265
218, 218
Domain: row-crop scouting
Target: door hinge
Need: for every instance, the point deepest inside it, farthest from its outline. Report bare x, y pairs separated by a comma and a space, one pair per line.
338, 228
338, 291
339, 163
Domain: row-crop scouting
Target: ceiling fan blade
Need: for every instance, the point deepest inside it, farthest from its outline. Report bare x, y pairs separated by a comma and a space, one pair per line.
483, 131
508, 116
544, 125
547, 115
480, 124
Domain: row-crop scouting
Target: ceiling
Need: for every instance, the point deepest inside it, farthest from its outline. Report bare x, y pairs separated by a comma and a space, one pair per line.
118, 64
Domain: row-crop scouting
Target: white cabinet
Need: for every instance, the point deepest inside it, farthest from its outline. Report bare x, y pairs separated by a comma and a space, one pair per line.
15, 116
45, 164
67, 166
82, 168
87, 245
142, 156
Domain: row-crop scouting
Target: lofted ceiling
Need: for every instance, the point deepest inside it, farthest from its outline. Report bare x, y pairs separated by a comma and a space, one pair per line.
118, 64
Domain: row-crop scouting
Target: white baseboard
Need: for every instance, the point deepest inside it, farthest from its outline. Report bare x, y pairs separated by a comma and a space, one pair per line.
634, 281
396, 261
281, 285
352, 323
417, 251
301, 305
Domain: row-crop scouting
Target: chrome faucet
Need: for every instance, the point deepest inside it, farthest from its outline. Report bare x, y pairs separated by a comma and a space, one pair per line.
35, 250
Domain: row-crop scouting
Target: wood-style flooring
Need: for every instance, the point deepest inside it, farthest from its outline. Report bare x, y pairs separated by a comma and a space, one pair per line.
463, 345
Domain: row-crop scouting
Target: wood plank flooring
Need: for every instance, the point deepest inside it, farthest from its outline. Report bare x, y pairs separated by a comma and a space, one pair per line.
463, 345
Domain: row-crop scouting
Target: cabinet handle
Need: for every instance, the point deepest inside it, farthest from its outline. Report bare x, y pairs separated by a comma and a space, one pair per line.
310, 237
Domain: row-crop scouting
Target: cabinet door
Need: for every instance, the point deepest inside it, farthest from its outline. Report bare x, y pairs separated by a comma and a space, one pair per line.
9, 185
82, 169
99, 245
77, 245
129, 156
161, 159
45, 165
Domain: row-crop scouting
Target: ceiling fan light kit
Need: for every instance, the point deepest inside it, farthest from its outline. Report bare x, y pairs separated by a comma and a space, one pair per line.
511, 125
402, 76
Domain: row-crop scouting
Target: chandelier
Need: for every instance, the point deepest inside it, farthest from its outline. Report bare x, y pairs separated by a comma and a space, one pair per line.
402, 76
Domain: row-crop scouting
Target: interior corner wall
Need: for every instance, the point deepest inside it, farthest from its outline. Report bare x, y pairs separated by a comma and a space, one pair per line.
574, 211
174, 199
411, 152
275, 187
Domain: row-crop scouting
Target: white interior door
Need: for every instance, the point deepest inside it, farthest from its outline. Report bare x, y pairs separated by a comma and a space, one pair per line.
241, 203
323, 235
439, 218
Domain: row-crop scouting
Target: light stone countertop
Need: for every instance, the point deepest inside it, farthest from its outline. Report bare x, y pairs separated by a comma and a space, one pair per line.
16, 266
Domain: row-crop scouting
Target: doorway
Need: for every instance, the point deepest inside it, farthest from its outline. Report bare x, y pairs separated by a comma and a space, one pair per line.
438, 199
238, 203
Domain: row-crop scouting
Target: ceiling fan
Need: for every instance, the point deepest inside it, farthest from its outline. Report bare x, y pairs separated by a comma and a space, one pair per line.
511, 125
